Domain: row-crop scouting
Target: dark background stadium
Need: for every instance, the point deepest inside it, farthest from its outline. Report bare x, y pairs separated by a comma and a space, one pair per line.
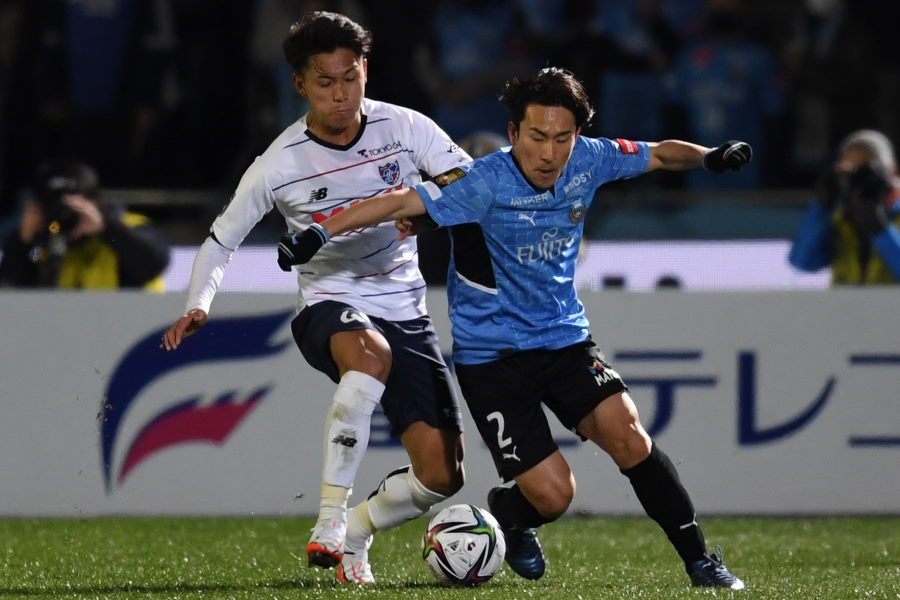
172, 99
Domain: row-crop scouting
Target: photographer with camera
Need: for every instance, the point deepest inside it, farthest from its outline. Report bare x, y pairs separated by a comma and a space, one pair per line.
854, 224
67, 240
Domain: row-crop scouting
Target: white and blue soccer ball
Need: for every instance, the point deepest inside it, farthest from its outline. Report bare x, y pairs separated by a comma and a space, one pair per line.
463, 545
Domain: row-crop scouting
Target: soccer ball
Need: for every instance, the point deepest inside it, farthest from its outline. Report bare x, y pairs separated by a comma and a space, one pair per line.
463, 545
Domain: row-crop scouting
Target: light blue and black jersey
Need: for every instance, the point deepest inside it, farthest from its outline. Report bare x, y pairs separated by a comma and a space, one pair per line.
511, 285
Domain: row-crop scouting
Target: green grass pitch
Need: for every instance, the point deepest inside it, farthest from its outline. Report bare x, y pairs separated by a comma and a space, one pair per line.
616, 558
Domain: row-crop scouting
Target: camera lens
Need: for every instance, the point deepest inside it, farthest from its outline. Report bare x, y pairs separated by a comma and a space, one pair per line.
59, 216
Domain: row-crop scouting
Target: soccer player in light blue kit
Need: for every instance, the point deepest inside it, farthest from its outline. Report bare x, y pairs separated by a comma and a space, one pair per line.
520, 335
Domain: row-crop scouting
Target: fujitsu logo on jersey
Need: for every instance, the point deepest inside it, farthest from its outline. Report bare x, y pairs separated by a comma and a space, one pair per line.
549, 248
370, 152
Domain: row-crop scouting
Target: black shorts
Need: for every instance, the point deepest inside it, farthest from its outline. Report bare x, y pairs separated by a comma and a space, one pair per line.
505, 398
419, 387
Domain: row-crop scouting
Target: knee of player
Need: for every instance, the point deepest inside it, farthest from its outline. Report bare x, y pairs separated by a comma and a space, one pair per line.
553, 504
630, 448
374, 365
443, 481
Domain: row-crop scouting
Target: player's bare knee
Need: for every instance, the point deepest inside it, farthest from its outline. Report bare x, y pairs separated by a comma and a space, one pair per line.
552, 502
553, 507
443, 481
628, 449
374, 365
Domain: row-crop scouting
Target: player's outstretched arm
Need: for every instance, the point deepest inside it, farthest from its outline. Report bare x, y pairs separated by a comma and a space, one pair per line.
184, 327
677, 155
299, 248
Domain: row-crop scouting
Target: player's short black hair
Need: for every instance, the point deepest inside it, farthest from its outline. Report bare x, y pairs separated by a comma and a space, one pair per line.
321, 32
551, 86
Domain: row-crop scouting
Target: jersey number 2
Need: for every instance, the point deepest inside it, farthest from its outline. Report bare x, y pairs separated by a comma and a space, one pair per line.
498, 416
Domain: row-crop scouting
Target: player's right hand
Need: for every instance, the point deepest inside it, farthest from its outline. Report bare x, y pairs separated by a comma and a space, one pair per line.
186, 326
733, 155
298, 249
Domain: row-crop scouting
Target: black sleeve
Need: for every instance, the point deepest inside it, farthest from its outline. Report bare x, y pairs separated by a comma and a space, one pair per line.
142, 250
16, 267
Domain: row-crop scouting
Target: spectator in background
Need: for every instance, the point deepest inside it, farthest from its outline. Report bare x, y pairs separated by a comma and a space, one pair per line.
11, 38
99, 79
212, 57
67, 240
853, 224
476, 45
727, 86
637, 41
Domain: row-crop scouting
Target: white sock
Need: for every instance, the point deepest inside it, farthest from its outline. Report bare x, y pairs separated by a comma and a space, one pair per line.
400, 498
347, 427
333, 502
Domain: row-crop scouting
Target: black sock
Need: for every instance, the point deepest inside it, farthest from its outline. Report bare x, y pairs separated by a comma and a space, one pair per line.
656, 483
513, 511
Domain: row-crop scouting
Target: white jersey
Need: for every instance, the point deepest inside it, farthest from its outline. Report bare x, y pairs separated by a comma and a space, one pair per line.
309, 180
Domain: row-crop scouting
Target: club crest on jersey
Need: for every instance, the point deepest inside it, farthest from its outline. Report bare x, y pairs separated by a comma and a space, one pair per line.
576, 213
448, 177
390, 173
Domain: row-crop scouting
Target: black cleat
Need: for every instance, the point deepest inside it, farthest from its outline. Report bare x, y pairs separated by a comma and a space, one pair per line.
710, 571
523, 550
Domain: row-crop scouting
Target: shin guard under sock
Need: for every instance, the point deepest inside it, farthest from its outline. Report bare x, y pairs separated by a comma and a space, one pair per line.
513, 510
658, 487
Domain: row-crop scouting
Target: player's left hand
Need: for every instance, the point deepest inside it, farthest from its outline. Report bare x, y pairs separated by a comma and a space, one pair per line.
298, 249
407, 226
733, 155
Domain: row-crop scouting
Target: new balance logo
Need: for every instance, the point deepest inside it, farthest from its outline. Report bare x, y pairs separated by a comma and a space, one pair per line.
318, 194
343, 440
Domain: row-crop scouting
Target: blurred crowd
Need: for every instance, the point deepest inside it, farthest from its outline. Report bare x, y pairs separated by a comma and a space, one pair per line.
184, 93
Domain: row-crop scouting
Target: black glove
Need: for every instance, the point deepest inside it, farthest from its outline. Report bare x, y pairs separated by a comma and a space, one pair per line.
868, 187
730, 155
294, 249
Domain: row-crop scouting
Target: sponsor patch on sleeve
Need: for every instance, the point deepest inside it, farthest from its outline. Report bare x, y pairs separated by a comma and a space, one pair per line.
448, 177
627, 146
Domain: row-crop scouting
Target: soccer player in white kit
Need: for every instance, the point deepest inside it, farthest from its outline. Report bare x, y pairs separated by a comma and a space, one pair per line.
361, 310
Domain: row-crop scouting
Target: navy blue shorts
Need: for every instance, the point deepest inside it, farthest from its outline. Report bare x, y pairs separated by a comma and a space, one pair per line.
506, 398
419, 387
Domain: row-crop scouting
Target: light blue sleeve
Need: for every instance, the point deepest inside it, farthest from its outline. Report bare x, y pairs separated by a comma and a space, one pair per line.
466, 199
619, 158
887, 243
